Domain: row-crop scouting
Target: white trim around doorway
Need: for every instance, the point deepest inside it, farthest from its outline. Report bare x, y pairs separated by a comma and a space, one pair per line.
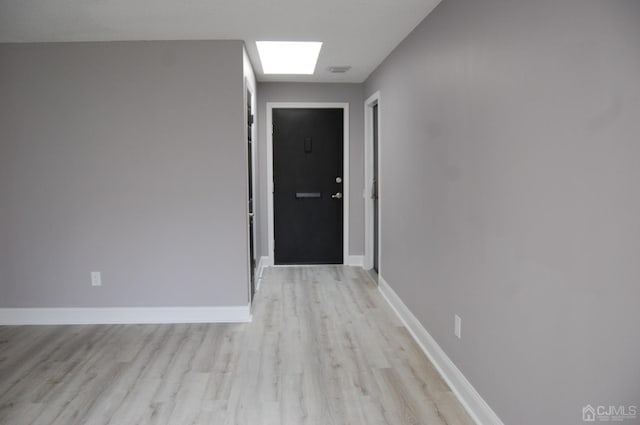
373, 100
251, 151
345, 179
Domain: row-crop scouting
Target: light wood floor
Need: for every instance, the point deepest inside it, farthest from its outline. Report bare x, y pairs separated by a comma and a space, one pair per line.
323, 348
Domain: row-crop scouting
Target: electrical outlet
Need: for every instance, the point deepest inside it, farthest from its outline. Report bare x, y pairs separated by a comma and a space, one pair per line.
96, 279
457, 328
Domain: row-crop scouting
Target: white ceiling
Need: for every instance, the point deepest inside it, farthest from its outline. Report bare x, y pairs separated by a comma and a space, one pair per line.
359, 33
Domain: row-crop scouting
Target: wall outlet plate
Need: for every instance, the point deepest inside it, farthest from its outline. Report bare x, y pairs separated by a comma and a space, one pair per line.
457, 327
96, 279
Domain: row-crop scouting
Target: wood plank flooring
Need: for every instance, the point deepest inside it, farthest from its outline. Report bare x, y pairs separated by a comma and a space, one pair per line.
323, 349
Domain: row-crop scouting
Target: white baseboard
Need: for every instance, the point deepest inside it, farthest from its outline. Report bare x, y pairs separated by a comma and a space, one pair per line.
262, 264
124, 315
474, 404
355, 260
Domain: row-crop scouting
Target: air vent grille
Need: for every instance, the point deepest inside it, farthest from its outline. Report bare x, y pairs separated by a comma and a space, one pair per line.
339, 69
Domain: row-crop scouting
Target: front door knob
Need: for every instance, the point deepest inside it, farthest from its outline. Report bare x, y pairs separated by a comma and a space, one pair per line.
337, 195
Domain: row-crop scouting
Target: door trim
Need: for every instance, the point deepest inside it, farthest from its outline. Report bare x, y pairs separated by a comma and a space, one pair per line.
345, 179
249, 86
371, 101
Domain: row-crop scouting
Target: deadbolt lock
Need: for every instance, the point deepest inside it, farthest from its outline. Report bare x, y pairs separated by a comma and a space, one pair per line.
338, 179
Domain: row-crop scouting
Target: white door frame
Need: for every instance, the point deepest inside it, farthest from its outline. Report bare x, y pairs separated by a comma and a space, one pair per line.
248, 86
345, 178
373, 100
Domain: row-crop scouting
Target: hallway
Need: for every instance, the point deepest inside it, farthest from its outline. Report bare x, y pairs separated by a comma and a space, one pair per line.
323, 348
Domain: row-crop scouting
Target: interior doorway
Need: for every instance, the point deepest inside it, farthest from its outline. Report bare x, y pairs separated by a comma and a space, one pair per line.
250, 189
372, 193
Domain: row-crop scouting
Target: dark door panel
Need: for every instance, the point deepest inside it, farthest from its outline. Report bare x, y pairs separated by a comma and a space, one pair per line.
308, 175
376, 215
252, 258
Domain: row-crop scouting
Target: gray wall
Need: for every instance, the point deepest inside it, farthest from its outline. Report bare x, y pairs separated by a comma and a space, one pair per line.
126, 158
510, 196
318, 92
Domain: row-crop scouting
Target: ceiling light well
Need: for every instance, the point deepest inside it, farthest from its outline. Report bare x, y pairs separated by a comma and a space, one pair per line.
289, 57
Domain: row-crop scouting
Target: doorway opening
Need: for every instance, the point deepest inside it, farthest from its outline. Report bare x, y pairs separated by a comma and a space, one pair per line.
250, 189
372, 193
308, 183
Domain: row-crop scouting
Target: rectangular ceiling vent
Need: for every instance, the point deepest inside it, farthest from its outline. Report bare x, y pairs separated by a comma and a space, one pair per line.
339, 69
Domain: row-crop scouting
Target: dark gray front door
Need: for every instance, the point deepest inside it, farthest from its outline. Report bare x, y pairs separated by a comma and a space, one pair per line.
308, 188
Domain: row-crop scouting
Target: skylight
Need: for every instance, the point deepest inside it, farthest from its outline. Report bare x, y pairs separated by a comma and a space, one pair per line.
289, 57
